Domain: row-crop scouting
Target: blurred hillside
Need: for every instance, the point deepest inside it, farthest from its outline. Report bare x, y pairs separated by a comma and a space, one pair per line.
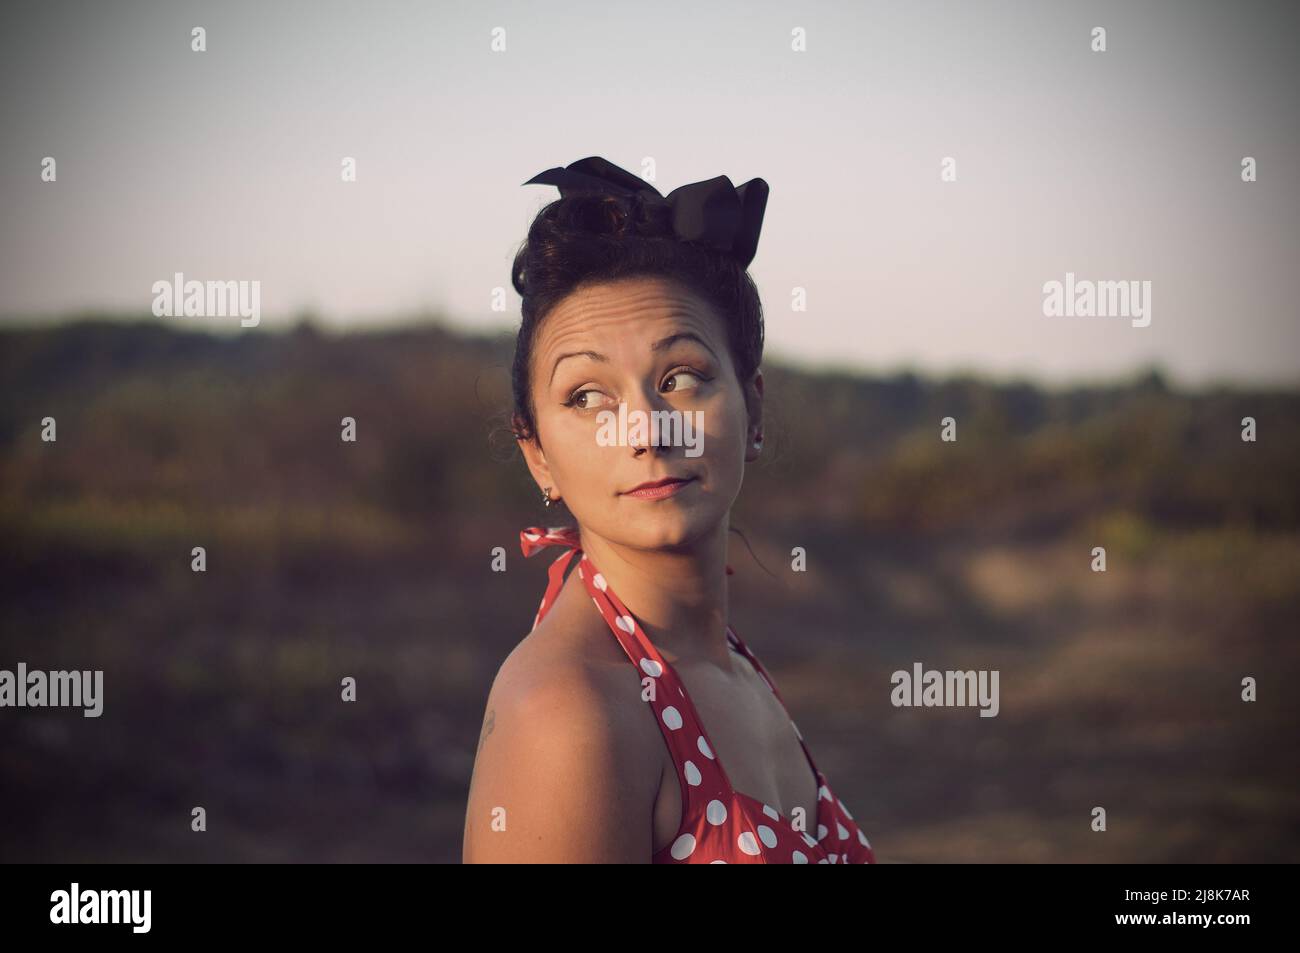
372, 559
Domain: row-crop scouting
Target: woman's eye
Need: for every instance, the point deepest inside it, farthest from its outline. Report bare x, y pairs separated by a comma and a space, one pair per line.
578, 399
691, 377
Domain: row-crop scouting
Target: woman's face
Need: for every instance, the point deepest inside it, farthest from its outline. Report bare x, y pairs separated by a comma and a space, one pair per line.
653, 345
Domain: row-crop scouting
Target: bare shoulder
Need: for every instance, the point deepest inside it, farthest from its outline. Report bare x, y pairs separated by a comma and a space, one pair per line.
564, 772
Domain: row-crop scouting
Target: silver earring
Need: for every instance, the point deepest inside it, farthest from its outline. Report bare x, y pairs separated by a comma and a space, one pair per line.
546, 495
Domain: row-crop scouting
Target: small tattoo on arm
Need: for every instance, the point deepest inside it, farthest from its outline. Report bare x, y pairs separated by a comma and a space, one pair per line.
488, 724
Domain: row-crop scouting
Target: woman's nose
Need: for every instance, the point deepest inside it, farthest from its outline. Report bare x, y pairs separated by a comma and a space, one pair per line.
648, 423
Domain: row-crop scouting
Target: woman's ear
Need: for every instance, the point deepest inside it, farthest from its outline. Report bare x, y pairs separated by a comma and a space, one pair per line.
535, 457
754, 407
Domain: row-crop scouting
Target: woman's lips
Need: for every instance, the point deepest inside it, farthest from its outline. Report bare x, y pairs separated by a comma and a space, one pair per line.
660, 492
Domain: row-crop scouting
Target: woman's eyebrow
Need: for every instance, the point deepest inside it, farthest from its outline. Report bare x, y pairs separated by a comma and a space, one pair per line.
591, 354
660, 345
672, 339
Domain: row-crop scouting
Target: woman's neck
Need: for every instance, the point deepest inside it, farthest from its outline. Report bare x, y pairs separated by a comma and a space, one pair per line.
679, 597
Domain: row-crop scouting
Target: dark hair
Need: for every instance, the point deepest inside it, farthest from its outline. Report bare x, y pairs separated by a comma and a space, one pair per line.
592, 237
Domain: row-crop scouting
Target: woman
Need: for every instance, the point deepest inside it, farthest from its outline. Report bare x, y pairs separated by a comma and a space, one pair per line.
643, 731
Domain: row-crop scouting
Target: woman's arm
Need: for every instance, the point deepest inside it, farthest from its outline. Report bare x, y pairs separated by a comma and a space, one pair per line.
559, 777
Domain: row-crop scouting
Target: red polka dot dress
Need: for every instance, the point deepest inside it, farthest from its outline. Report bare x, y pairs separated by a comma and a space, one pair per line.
719, 824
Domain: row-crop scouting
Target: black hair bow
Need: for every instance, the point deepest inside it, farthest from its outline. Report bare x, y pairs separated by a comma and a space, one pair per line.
713, 212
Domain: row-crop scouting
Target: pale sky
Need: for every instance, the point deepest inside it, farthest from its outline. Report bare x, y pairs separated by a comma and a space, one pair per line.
1122, 165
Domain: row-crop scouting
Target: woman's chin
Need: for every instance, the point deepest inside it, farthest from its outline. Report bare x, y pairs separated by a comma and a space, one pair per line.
665, 529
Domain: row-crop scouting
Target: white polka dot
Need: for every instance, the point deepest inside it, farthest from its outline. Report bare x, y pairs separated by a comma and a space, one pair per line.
625, 623
771, 812
704, 748
683, 847
844, 809
651, 667
693, 777
798, 857
834, 858
823, 792
821, 831
672, 718
841, 830
716, 812
767, 835
823, 861
807, 839
531, 537
717, 861
581, 574
863, 838
747, 843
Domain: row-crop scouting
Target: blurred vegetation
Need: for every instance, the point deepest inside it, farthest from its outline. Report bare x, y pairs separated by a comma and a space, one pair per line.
371, 559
